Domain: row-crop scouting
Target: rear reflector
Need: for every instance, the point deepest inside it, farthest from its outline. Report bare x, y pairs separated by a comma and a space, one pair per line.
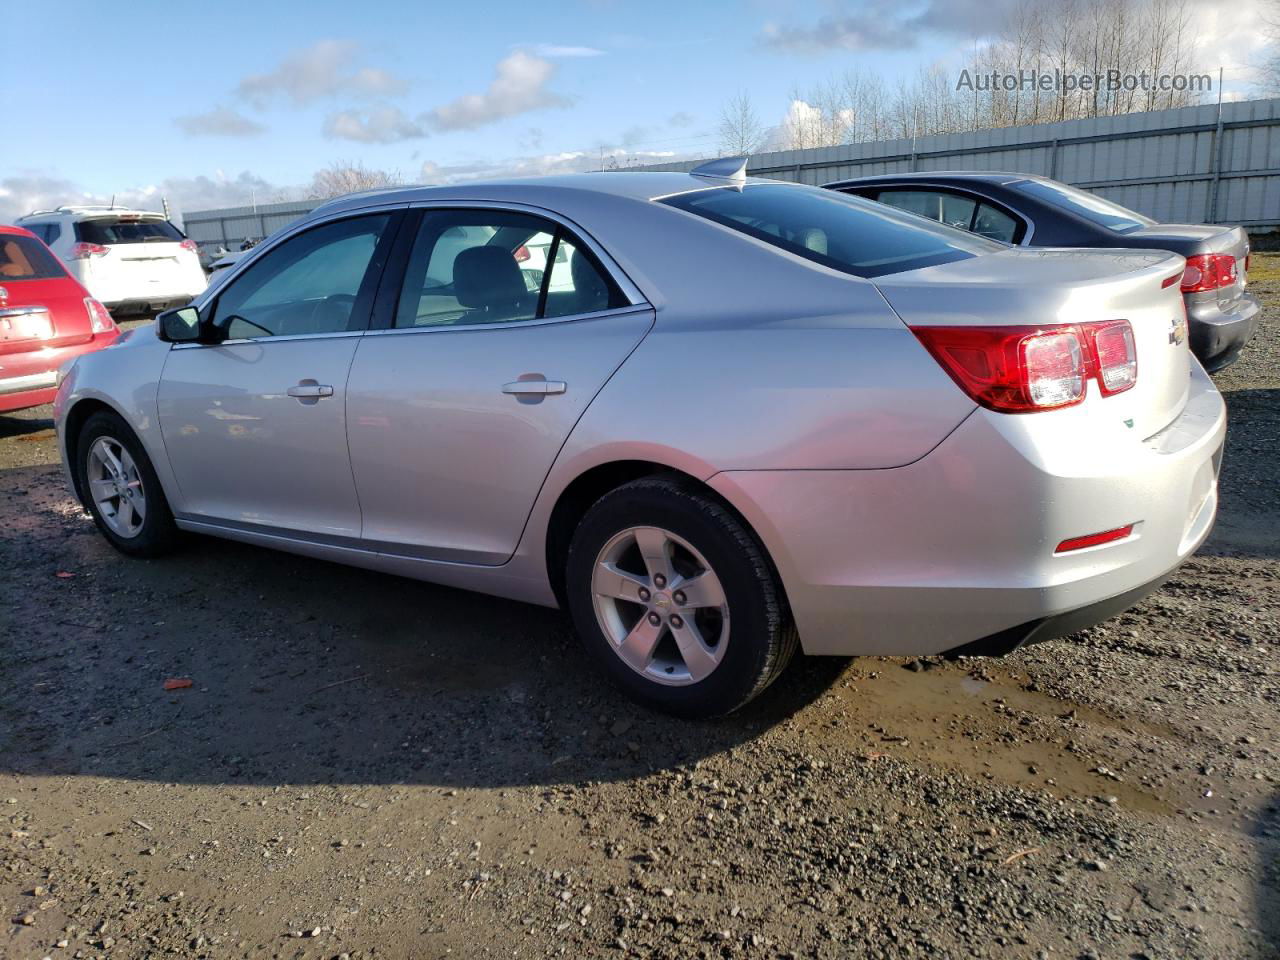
1025, 369
1094, 539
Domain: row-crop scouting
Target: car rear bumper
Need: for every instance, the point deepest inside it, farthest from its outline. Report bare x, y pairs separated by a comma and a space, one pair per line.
957, 550
31, 379
1218, 334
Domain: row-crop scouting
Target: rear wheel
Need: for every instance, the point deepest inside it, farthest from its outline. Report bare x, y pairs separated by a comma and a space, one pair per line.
676, 600
121, 488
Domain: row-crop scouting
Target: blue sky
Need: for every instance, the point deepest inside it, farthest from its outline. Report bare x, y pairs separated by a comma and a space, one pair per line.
210, 104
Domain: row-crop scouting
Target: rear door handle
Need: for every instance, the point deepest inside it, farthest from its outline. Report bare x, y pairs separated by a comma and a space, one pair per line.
304, 390
536, 387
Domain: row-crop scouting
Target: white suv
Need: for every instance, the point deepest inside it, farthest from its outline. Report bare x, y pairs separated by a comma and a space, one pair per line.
130, 260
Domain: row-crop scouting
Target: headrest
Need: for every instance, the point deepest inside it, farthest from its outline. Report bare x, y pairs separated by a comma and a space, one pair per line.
487, 277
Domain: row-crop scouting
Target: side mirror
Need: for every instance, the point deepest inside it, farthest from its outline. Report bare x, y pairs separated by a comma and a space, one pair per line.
182, 325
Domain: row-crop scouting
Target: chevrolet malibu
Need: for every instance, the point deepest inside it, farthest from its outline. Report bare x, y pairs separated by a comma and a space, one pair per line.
737, 417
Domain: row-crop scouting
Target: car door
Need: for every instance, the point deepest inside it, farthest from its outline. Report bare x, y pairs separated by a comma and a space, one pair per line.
255, 426
486, 357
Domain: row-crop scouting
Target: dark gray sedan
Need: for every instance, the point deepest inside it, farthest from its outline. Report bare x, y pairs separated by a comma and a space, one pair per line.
1038, 212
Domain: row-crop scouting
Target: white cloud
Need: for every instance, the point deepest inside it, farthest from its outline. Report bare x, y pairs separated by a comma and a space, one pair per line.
555, 50
325, 69
520, 85
380, 124
219, 122
539, 165
21, 194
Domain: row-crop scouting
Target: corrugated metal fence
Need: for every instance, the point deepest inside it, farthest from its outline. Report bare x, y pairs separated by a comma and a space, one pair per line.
1192, 165
1189, 165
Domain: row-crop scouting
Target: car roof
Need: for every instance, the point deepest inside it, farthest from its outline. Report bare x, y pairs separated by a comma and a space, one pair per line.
15, 230
934, 176
630, 185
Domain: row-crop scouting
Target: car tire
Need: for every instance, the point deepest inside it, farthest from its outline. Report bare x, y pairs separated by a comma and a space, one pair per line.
708, 652
137, 522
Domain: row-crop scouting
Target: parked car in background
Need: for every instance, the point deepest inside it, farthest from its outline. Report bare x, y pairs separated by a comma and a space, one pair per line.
1039, 212
742, 415
224, 263
134, 261
46, 318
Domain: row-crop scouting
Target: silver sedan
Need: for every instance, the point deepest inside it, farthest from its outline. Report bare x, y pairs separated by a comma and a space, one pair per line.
724, 418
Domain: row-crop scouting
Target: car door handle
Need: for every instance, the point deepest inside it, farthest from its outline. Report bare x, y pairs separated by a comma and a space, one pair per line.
537, 387
303, 390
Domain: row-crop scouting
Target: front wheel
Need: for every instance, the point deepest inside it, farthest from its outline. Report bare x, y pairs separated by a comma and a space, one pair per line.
120, 486
676, 600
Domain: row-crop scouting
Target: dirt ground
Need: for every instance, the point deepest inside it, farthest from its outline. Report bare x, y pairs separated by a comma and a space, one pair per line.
373, 767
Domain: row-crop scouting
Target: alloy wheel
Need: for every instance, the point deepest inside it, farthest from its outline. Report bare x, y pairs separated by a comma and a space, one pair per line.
115, 485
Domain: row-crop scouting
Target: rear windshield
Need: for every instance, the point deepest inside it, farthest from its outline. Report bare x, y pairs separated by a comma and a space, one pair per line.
1093, 208
26, 258
106, 231
846, 233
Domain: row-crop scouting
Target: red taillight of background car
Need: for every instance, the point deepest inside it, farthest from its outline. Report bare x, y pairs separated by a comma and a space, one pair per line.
1095, 539
522, 254
83, 251
99, 318
1027, 369
1208, 271
190, 246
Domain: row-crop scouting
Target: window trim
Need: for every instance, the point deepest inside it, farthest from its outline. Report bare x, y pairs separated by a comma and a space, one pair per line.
386, 301
875, 190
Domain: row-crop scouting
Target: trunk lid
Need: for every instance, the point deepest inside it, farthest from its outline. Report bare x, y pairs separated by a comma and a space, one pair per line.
1190, 239
1031, 286
140, 250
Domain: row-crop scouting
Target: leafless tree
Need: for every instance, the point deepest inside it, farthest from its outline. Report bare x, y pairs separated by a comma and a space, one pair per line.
741, 132
1269, 65
344, 176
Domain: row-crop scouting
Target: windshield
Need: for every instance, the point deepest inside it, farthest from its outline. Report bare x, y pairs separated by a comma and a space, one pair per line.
1093, 208
26, 258
107, 231
843, 232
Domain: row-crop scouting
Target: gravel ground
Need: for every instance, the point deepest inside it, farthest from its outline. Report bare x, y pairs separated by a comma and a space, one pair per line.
373, 767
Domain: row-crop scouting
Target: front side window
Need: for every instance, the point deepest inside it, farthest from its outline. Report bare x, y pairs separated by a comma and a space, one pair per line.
1093, 208
846, 233
112, 230
320, 281
495, 267
25, 258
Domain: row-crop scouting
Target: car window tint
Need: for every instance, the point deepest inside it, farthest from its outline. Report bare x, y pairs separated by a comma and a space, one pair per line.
577, 284
316, 282
840, 231
1093, 208
994, 224
108, 231
25, 258
489, 266
52, 231
948, 208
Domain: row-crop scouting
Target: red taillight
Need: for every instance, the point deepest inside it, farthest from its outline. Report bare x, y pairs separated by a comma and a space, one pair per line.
1094, 539
190, 245
99, 319
1115, 355
83, 251
1024, 369
522, 254
1208, 271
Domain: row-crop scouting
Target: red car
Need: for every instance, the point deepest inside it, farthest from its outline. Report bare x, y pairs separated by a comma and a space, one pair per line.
46, 318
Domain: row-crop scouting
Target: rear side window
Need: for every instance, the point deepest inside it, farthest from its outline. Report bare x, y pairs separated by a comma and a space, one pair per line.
25, 258
109, 230
846, 233
495, 267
